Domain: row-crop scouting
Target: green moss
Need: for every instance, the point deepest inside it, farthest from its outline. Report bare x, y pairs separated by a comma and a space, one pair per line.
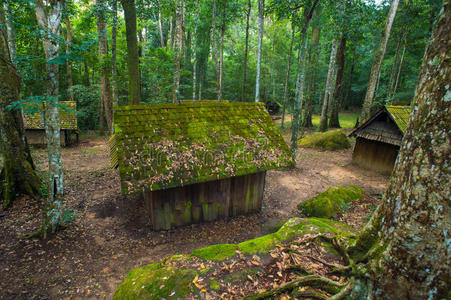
157, 282
258, 245
214, 285
242, 274
333, 200
330, 140
216, 252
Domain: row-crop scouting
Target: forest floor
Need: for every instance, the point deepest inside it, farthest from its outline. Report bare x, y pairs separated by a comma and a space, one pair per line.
111, 234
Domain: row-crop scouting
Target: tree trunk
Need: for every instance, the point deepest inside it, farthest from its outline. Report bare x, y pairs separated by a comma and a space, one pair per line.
171, 33
329, 87
346, 100
105, 70
261, 10
179, 41
49, 21
246, 49
214, 51
134, 80
11, 31
221, 53
335, 105
394, 68
196, 20
86, 73
287, 77
313, 67
113, 55
17, 174
377, 63
410, 230
68, 61
160, 29
101, 117
399, 69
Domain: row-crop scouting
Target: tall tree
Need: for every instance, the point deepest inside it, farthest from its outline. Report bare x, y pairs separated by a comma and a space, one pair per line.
329, 86
246, 50
261, 11
377, 63
196, 20
17, 175
287, 77
113, 54
160, 28
409, 233
179, 46
336, 99
105, 86
134, 78
10, 30
49, 17
68, 61
221, 51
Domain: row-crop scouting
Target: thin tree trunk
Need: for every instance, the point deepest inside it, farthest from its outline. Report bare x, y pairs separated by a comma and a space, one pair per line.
221, 53
335, 105
160, 29
113, 55
287, 77
377, 63
196, 19
246, 49
394, 68
11, 31
86, 73
171, 33
68, 61
261, 10
179, 40
101, 117
134, 80
214, 52
17, 175
200, 84
399, 69
329, 87
50, 25
104, 72
409, 231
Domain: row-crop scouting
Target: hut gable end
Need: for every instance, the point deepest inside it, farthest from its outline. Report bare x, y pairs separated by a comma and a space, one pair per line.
67, 113
162, 146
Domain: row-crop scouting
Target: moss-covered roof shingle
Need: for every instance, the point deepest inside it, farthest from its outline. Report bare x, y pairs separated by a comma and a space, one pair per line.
399, 114
168, 145
67, 113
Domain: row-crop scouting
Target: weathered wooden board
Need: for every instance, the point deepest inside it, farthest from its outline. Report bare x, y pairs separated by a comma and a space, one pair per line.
377, 156
205, 202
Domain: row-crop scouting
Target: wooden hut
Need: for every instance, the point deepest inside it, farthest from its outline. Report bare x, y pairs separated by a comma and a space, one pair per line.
196, 162
35, 128
378, 139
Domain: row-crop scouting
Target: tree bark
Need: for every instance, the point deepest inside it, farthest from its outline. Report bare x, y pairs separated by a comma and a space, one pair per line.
287, 77
105, 70
86, 73
49, 20
134, 80
114, 54
214, 51
346, 100
313, 67
160, 29
399, 69
410, 230
17, 174
335, 105
68, 61
261, 10
377, 63
179, 41
196, 20
11, 31
171, 33
221, 52
329, 87
394, 67
246, 49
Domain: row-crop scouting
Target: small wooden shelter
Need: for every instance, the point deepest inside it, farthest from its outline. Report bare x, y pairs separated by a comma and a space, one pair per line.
35, 128
196, 162
378, 140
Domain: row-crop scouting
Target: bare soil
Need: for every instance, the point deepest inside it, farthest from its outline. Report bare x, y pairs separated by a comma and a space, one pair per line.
111, 234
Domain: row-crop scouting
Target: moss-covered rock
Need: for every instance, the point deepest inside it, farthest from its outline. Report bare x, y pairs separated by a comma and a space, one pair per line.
163, 280
330, 140
333, 200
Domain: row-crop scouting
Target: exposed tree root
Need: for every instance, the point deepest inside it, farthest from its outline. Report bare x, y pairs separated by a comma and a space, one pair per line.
344, 292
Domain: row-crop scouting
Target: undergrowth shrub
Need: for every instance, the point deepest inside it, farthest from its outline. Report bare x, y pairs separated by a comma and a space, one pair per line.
329, 140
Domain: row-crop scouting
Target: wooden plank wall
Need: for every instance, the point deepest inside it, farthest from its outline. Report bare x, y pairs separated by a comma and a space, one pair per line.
377, 156
205, 202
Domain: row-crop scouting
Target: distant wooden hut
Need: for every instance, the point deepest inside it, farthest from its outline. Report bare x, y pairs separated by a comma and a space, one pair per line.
35, 128
378, 140
196, 162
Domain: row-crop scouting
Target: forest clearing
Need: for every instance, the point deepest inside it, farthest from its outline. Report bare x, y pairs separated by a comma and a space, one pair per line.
217, 149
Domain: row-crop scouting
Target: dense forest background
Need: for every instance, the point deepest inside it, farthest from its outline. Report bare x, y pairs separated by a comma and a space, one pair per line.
357, 24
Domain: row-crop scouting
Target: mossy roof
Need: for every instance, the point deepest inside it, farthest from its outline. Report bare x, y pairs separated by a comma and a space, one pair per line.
169, 145
67, 114
399, 114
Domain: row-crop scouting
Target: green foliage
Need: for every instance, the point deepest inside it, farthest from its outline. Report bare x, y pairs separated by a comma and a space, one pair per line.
88, 106
330, 140
333, 200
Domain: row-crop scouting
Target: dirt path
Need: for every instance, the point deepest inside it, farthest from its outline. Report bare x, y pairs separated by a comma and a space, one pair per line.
111, 236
